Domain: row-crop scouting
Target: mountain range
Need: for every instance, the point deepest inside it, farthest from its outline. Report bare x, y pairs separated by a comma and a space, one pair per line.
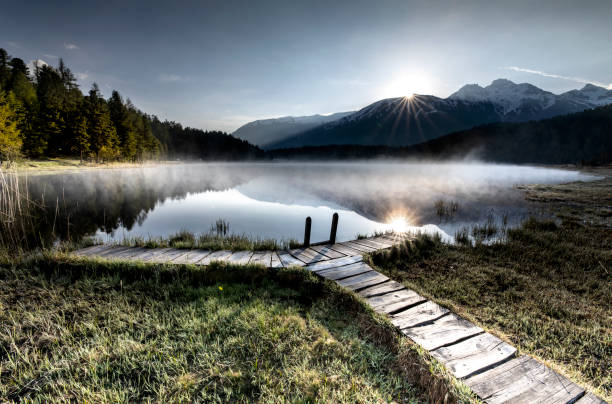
406, 121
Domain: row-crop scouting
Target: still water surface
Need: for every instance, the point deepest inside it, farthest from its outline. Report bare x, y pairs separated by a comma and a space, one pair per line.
272, 200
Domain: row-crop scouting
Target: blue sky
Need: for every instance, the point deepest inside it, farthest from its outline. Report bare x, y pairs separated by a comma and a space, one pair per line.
220, 64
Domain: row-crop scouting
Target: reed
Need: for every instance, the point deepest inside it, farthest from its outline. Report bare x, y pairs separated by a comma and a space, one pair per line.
16, 219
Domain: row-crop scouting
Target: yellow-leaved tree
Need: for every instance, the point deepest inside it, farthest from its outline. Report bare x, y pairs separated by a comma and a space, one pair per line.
10, 136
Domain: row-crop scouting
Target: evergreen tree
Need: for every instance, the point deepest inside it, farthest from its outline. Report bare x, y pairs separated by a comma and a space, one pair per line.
126, 132
10, 136
102, 133
81, 137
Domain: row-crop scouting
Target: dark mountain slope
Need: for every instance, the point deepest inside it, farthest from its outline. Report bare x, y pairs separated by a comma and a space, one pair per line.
398, 122
584, 137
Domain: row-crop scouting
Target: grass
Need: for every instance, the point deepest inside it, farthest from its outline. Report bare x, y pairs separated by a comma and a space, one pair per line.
101, 332
546, 288
211, 241
33, 166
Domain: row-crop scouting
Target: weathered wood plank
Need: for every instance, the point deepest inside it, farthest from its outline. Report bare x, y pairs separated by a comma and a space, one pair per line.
345, 271
359, 247
108, 254
444, 331
261, 258
220, 255
327, 251
149, 254
307, 255
590, 398
334, 263
369, 243
275, 261
418, 315
127, 254
381, 289
524, 380
192, 257
346, 250
362, 281
395, 301
169, 255
473, 355
288, 260
92, 250
240, 257
381, 240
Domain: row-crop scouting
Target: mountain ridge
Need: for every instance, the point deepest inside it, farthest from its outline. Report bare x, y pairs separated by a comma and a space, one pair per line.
405, 121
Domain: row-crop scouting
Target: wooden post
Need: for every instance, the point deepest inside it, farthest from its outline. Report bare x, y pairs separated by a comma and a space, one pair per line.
334, 229
307, 232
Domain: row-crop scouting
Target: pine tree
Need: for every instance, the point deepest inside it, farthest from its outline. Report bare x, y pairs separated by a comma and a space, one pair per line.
103, 135
125, 128
10, 136
81, 137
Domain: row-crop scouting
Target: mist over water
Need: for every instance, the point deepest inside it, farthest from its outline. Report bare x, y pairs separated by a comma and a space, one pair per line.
272, 200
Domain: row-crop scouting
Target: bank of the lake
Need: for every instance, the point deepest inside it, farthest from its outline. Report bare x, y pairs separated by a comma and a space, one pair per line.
546, 289
107, 332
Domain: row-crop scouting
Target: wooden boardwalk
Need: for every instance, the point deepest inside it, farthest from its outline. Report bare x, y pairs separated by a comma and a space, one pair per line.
488, 365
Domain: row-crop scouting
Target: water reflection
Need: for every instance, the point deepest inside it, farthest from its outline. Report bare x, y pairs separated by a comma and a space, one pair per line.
271, 200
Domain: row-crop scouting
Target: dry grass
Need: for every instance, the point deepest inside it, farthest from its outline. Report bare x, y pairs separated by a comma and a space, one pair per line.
102, 332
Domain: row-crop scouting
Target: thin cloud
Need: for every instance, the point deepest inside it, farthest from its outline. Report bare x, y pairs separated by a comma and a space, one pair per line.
70, 46
82, 76
171, 78
50, 56
558, 76
13, 44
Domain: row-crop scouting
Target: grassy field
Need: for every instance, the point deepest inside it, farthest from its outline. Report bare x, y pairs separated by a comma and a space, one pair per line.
547, 290
49, 165
116, 332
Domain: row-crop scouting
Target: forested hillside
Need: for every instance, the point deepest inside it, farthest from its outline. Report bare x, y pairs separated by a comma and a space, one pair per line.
583, 138
43, 113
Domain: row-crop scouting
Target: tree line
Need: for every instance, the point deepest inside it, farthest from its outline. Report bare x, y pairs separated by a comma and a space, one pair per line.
43, 113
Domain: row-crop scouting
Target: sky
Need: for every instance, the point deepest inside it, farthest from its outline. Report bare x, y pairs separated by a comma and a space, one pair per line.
220, 64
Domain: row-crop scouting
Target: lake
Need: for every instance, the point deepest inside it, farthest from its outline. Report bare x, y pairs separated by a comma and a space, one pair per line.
272, 200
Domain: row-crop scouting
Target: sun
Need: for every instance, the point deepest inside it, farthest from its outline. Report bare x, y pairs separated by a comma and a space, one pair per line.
407, 84
399, 224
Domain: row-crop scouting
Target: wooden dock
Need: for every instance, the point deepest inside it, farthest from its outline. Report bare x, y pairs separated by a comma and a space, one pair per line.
488, 365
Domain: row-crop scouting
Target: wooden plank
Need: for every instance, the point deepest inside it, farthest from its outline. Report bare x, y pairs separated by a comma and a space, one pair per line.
149, 254
275, 261
334, 263
524, 380
111, 252
359, 247
287, 260
192, 257
345, 271
395, 301
381, 241
169, 255
381, 289
369, 243
363, 281
590, 398
127, 254
346, 250
327, 251
220, 255
92, 250
418, 315
474, 355
240, 257
307, 255
446, 330
261, 258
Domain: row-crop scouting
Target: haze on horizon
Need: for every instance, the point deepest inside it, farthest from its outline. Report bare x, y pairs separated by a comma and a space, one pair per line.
218, 65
